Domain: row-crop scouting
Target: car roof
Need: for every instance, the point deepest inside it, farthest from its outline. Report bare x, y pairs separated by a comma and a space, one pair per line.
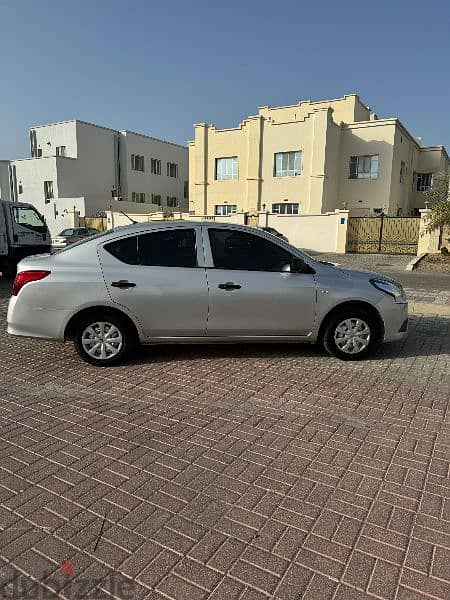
152, 225
139, 228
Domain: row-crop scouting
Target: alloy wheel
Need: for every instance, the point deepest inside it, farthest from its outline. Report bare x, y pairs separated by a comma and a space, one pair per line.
352, 336
102, 340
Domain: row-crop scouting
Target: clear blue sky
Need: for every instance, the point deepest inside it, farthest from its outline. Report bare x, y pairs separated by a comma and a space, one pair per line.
159, 66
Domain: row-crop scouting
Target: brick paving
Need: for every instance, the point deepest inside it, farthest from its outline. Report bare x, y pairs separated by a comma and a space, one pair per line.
226, 472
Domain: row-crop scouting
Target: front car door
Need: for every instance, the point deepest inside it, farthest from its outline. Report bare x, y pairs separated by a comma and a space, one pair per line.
158, 277
251, 291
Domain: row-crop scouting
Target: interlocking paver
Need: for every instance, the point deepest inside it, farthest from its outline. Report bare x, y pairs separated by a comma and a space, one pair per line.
241, 472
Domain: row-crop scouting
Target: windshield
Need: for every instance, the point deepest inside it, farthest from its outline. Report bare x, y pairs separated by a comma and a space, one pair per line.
66, 232
27, 216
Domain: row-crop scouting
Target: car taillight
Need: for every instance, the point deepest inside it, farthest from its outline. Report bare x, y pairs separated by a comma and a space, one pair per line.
25, 277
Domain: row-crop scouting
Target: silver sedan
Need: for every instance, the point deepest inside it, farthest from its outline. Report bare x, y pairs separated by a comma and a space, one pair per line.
194, 282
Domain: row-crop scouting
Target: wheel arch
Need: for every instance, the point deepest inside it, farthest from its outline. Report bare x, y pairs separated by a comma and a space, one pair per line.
348, 304
70, 328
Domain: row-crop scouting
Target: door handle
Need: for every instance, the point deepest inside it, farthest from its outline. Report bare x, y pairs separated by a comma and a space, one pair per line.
123, 284
229, 286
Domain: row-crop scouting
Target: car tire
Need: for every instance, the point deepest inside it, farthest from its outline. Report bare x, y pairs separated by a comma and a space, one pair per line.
351, 334
104, 339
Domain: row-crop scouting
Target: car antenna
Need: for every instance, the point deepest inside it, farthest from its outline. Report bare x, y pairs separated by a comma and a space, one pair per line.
128, 217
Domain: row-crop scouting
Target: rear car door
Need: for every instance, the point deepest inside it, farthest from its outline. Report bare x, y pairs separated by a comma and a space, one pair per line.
157, 276
249, 293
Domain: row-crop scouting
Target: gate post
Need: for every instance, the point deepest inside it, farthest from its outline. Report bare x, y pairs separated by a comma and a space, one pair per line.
381, 232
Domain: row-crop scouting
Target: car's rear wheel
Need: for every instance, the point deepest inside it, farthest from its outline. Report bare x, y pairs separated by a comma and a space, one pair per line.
104, 340
351, 334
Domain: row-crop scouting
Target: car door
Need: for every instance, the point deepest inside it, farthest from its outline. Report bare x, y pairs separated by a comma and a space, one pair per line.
251, 291
158, 275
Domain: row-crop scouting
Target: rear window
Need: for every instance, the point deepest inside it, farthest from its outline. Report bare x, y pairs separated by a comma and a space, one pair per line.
125, 250
172, 248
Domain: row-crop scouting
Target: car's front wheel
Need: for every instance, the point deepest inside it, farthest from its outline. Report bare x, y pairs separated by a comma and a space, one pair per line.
104, 340
351, 334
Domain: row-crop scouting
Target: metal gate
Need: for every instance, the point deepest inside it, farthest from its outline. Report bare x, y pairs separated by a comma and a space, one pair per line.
384, 235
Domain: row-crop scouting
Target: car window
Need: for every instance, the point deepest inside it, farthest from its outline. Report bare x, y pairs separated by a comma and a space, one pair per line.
125, 250
66, 232
239, 250
172, 248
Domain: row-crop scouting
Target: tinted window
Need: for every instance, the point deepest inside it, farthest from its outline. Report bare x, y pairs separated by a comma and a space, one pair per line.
173, 248
124, 250
239, 250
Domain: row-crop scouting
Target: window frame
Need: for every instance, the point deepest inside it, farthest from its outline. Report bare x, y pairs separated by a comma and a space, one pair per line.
354, 172
418, 177
286, 204
49, 193
138, 197
226, 213
155, 166
136, 163
287, 172
172, 170
170, 199
234, 168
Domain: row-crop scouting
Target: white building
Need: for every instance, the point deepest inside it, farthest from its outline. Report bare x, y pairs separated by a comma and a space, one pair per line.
5, 184
85, 169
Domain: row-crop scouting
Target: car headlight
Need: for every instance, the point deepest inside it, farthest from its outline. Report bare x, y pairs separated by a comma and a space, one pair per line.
389, 287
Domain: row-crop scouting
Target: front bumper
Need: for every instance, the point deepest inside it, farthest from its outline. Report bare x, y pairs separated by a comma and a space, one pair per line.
395, 319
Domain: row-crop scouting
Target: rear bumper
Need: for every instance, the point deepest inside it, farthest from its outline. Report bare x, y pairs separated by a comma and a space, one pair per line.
35, 322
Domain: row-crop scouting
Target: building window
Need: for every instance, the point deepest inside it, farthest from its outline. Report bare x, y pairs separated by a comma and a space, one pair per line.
227, 168
137, 162
423, 181
402, 172
138, 197
286, 208
60, 151
20, 188
364, 167
224, 210
48, 191
172, 169
287, 164
155, 166
156, 199
186, 190
172, 201
39, 152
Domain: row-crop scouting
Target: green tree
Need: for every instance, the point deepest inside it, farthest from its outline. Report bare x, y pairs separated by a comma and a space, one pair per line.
439, 200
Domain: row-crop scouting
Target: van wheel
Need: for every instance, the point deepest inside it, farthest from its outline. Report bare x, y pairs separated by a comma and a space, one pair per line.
104, 340
351, 334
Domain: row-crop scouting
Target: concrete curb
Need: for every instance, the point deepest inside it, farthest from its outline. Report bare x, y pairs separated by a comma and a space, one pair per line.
415, 261
428, 308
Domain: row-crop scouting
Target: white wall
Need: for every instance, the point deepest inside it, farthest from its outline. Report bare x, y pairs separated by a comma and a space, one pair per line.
91, 168
321, 233
147, 182
5, 193
48, 137
31, 173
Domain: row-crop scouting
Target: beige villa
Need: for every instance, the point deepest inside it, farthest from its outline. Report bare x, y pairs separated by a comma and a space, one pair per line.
311, 158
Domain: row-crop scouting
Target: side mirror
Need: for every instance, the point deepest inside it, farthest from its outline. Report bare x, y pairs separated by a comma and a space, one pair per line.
298, 265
